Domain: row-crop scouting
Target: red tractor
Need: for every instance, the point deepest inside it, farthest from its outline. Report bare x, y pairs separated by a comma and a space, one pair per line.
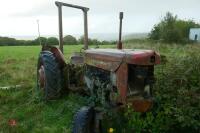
113, 77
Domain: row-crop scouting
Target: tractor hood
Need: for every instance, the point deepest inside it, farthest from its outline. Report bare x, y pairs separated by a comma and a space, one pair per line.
110, 59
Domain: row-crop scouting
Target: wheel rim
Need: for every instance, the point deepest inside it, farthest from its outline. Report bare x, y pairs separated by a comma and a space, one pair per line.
41, 77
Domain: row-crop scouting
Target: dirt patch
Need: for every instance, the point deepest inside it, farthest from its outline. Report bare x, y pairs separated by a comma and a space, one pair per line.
10, 61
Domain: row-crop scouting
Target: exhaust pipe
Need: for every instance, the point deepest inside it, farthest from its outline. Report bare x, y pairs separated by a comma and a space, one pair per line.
119, 45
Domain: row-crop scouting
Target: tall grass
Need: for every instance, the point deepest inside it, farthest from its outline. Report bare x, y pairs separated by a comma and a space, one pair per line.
176, 93
18, 66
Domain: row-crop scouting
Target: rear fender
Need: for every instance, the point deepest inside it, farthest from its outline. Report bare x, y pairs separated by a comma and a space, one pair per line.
57, 53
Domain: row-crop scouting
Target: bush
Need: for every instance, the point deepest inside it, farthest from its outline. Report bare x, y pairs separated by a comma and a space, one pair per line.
172, 30
177, 96
90, 41
37, 41
7, 41
4, 41
107, 42
69, 40
52, 41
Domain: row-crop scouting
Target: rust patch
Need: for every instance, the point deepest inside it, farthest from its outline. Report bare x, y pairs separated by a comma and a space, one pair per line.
130, 56
122, 81
143, 58
106, 65
141, 105
57, 53
59, 56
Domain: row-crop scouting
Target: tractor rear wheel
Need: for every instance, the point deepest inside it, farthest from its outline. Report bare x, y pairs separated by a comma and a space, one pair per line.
84, 121
49, 78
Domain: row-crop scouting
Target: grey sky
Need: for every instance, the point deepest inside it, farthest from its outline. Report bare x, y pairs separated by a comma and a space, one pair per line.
18, 17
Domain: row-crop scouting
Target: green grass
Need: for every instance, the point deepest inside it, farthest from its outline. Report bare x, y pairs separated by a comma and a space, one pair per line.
18, 63
18, 66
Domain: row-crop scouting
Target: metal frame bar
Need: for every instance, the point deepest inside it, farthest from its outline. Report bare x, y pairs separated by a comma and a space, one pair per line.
84, 9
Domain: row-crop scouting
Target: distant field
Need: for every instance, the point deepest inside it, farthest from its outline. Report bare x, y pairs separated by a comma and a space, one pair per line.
18, 66
18, 63
23, 52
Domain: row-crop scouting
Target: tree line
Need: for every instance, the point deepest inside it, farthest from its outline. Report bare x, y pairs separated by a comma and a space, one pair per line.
68, 40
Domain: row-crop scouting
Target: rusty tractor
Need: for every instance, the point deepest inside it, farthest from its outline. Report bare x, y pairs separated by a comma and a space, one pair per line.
113, 77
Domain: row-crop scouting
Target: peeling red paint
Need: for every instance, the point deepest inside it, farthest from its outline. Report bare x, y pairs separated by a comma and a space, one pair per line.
122, 81
12, 122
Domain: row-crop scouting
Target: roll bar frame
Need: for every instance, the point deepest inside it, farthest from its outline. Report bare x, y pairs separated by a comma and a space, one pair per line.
84, 9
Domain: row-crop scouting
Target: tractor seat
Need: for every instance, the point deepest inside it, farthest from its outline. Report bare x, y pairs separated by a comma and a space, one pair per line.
77, 59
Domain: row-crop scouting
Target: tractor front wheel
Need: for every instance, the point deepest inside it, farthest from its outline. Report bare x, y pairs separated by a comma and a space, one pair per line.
48, 76
84, 121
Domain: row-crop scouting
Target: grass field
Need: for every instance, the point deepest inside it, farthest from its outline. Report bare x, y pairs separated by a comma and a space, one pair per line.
18, 67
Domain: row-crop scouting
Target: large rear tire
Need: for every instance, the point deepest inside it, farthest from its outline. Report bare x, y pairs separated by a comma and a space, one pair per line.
49, 78
84, 121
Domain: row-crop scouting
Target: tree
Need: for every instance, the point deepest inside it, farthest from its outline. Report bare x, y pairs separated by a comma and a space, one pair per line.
37, 41
70, 40
8, 41
52, 41
90, 41
81, 40
172, 30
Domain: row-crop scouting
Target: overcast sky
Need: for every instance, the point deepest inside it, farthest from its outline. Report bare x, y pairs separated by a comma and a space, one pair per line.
18, 17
